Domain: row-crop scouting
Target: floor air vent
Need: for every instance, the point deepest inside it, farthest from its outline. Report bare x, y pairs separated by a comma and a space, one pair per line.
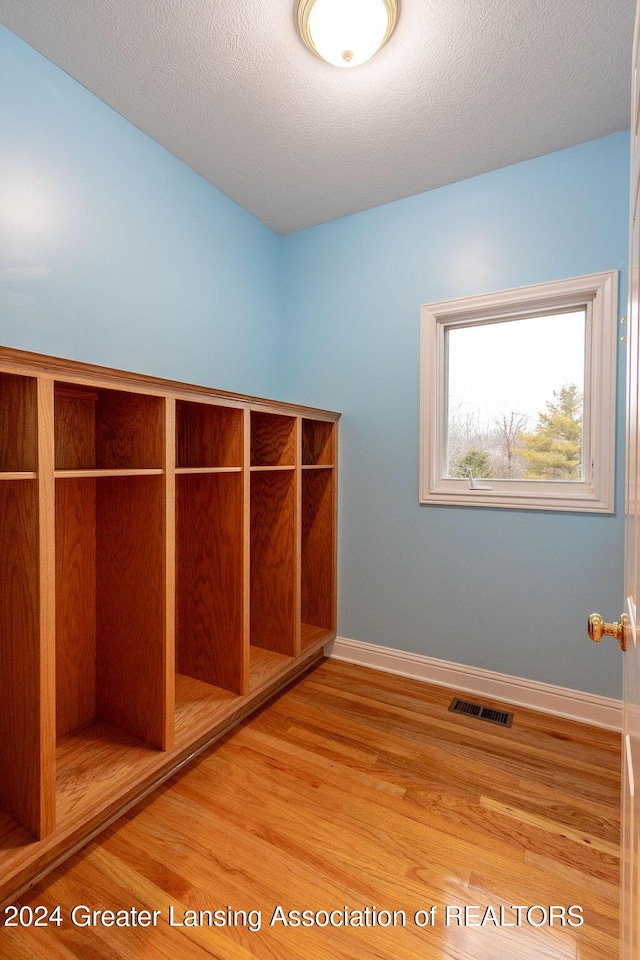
501, 717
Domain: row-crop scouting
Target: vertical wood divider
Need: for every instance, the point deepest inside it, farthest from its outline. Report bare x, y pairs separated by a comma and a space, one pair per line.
298, 538
246, 549
170, 570
47, 608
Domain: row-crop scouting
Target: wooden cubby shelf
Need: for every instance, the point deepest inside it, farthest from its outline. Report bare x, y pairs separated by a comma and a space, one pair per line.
100, 429
318, 443
185, 471
280, 468
273, 440
21, 761
318, 534
110, 617
208, 436
209, 580
273, 561
81, 474
18, 426
167, 563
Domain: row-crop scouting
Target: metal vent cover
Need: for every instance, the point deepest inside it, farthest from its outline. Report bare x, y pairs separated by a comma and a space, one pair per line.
481, 712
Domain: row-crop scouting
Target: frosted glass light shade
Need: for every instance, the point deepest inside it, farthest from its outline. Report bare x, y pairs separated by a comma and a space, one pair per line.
346, 32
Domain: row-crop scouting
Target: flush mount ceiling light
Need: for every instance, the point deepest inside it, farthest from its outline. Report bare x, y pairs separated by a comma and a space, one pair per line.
346, 32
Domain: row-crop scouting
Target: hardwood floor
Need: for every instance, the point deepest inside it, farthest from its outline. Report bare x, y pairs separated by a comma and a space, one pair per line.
356, 792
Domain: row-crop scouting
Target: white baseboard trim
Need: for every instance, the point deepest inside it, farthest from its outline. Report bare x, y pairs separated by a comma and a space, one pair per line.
559, 701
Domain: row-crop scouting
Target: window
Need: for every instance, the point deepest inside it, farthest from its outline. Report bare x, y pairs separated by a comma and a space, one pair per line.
517, 403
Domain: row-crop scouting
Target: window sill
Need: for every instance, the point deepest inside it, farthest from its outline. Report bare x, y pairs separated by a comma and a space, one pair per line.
579, 500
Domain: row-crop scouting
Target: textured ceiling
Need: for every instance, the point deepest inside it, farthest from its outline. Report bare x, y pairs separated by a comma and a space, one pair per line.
462, 87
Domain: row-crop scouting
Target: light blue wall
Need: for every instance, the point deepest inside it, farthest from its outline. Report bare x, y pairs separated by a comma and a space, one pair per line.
113, 251
499, 589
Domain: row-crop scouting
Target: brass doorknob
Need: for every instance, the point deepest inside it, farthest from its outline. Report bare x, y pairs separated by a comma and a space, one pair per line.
598, 629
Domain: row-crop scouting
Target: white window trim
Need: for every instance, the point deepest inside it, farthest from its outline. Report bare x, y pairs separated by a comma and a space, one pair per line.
597, 292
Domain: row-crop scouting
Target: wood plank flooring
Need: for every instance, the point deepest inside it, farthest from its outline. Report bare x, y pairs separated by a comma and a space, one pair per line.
356, 792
